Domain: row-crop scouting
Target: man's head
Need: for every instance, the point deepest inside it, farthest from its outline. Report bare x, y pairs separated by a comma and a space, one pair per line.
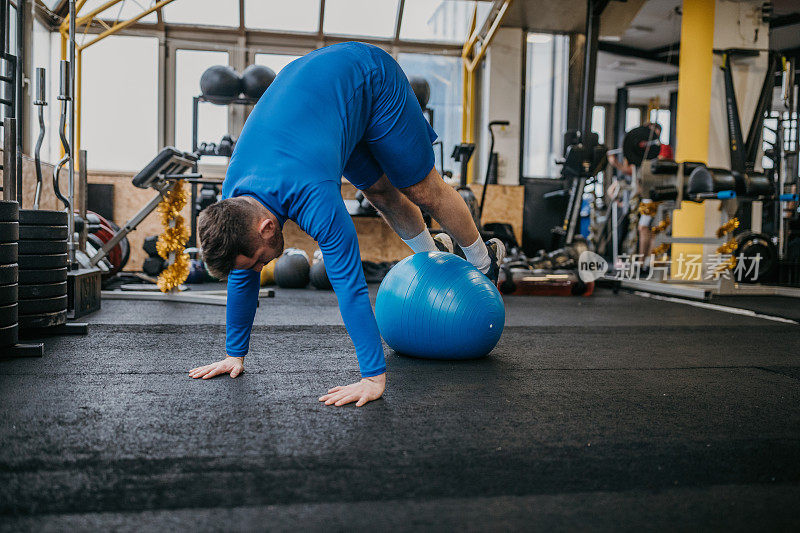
238, 233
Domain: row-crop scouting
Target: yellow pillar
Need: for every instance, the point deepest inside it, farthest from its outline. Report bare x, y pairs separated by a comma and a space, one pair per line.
694, 114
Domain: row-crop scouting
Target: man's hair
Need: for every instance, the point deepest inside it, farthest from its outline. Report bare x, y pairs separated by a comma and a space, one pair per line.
225, 231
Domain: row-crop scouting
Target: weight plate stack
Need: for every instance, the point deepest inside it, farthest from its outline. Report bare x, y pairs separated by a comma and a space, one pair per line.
43, 263
9, 273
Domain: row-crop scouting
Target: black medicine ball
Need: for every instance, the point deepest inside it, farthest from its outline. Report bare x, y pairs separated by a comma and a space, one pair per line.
292, 271
221, 80
422, 90
256, 79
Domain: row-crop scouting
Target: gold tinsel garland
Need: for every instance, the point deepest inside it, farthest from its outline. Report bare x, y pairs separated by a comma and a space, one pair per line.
173, 240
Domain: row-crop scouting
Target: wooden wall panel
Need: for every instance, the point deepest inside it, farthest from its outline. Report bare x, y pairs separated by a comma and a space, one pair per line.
376, 239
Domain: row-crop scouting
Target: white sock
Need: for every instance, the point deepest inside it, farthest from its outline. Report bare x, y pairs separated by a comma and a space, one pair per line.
421, 243
477, 254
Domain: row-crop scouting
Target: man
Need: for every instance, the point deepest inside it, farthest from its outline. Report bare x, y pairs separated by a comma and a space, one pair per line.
626, 168
346, 109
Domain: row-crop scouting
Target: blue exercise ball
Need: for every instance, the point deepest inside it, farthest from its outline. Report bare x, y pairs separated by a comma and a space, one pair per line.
438, 306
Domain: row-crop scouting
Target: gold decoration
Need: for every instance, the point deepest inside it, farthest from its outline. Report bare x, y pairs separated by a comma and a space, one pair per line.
728, 227
729, 247
661, 249
172, 242
648, 208
661, 227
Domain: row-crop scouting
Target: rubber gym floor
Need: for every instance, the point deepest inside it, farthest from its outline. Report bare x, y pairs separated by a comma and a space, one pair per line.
614, 412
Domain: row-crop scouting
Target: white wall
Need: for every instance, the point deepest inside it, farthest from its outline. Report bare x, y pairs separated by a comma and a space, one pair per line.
501, 100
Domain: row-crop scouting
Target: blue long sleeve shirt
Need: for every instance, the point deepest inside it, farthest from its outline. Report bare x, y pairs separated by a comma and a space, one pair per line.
290, 157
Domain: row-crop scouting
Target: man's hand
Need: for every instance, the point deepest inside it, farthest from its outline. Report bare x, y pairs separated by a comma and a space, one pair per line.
364, 391
229, 365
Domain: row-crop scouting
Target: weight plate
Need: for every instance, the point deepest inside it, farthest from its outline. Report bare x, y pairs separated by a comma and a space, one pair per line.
9, 211
44, 320
38, 233
9, 232
9, 335
8, 294
639, 144
8, 253
42, 305
36, 262
8, 315
41, 217
43, 290
43, 247
35, 277
9, 274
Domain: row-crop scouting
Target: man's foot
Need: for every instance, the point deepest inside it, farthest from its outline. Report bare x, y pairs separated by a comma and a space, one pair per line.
497, 252
443, 242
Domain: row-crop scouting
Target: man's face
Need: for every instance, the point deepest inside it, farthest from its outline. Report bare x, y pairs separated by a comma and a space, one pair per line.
270, 246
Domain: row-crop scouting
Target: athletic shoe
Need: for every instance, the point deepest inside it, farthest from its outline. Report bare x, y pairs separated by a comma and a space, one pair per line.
497, 252
443, 242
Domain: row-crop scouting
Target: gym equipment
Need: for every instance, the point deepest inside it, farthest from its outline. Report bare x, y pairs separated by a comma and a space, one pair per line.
640, 144
42, 290
153, 266
256, 79
42, 247
422, 90
9, 274
9, 232
149, 245
35, 262
491, 177
319, 276
268, 273
42, 305
41, 217
437, 305
197, 272
220, 81
8, 294
41, 321
292, 270
47, 233
9, 211
8, 314
8, 253
462, 154
47, 275
751, 245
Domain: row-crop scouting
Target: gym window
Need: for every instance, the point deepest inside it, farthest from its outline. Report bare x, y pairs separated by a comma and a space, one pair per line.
206, 12
119, 127
444, 21
274, 61
279, 15
545, 103
212, 119
339, 17
443, 74
661, 117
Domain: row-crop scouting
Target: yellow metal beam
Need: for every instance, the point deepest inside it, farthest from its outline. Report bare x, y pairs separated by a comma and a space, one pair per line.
471, 59
86, 20
124, 24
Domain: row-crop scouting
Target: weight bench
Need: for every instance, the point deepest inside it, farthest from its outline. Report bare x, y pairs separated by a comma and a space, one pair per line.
160, 174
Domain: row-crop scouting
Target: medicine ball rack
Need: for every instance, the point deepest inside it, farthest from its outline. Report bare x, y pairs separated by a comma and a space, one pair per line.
161, 174
201, 149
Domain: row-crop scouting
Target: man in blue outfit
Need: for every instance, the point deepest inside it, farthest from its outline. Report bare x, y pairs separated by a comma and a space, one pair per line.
344, 110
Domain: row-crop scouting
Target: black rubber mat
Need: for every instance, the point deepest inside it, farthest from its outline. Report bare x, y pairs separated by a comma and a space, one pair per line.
611, 418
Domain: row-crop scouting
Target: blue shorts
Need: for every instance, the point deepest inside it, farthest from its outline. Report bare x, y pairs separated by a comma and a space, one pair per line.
398, 140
